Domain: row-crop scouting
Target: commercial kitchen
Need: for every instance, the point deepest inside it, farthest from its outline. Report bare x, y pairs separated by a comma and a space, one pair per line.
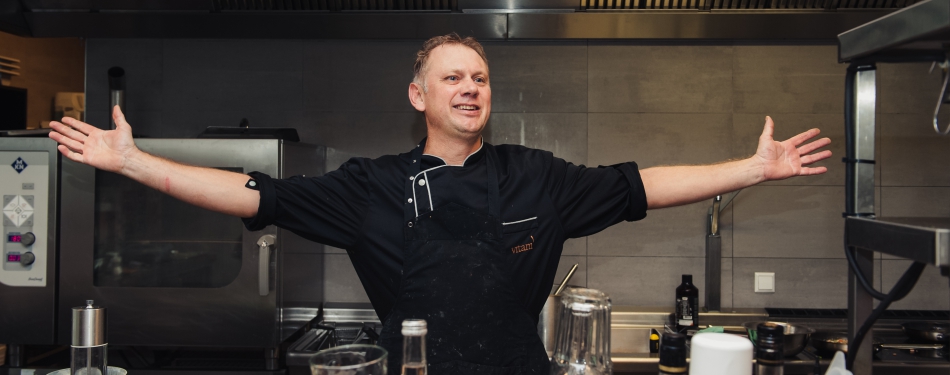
300, 87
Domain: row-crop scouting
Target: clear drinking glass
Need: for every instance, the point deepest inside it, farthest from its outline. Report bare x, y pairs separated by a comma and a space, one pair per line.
582, 344
350, 360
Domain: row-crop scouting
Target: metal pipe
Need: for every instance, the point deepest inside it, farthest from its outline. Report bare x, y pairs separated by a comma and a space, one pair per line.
116, 91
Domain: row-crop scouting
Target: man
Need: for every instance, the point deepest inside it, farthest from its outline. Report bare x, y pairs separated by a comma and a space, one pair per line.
458, 232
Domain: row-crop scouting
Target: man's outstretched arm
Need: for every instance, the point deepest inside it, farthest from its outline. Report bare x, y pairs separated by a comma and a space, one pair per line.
678, 185
115, 151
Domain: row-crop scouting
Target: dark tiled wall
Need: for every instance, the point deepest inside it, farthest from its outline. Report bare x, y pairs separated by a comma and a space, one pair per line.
591, 103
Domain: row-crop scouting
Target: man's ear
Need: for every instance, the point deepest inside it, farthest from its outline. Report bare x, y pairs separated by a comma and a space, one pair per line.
415, 97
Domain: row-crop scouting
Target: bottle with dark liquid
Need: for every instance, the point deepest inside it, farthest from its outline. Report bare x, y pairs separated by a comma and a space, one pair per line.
673, 354
687, 305
414, 347
769, 349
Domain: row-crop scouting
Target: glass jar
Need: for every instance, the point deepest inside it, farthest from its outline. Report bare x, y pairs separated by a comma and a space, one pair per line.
582, 343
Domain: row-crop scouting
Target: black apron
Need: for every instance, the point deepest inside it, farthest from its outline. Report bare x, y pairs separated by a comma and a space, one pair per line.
455, 276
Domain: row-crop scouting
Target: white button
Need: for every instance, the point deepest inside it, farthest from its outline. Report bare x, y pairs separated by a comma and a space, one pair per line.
412, 178
410, 200
410, 224
422, 182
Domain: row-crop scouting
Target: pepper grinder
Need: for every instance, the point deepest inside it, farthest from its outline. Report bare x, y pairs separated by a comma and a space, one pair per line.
88, 348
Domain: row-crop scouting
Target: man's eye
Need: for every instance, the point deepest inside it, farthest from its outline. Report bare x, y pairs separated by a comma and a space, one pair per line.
452, 78
480, 80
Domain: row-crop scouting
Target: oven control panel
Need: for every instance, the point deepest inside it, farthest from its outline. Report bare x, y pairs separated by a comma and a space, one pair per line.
24, 195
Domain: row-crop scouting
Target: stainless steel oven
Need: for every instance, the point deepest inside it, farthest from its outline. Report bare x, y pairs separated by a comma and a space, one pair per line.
29, 171
172, 274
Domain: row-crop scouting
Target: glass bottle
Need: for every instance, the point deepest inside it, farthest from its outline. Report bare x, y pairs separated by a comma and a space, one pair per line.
769, 349
582, 344
414, 347
673, 354
687, 305
88, 348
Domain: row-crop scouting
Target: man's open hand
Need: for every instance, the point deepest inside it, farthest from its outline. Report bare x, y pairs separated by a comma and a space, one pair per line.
87, 144
782, 160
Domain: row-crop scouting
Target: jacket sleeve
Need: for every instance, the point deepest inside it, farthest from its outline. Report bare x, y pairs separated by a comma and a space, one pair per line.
588, 200
328, 209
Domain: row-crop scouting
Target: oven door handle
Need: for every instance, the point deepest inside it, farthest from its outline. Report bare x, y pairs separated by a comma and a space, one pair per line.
263, 266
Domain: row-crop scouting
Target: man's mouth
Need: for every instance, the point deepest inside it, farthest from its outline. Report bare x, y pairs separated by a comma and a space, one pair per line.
466, 107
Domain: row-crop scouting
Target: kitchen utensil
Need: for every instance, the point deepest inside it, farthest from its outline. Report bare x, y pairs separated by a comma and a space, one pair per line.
827, 343
720, 354
920, 350
930, 332
547, 324
89, 348
350, 360
582, 344
796, 336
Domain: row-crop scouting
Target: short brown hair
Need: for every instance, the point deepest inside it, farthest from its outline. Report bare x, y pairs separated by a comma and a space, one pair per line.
422, 57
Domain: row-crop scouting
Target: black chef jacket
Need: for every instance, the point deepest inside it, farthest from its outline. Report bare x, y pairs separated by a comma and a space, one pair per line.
544, 201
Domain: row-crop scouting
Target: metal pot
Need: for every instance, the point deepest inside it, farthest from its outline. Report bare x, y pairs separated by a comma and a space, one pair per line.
929, 332
827, 343
796, 336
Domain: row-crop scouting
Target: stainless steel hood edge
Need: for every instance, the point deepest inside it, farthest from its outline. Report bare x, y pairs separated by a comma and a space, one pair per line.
686, 24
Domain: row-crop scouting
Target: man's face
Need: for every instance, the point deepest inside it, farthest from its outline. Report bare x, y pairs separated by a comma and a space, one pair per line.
458, 100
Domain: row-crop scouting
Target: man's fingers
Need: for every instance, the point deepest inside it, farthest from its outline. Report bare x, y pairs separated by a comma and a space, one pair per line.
66, 131
66, 141
74, 156
812, 171
808, 148
119, 118
808, 159
80, 126
768, 129
802, 137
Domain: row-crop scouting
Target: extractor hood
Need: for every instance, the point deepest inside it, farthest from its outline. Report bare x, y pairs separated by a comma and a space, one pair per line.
752, 20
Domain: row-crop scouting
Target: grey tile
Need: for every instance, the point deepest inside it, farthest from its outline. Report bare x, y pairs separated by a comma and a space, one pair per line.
333, 250
726, 284
303, 279
789, 221
318, 56
538, 76
364, 134
644, 281
233, 75
670, 232
799, 283
748, 128
907, 88
190, 123
142, 61
912, 153
341, 284
575, 246
915, 201
364, 76
580, 276
931, 290
788, 79
564, 134
653, 139
643, 78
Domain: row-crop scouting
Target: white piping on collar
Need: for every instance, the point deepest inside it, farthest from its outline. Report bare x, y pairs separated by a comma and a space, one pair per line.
480, 145
415, 202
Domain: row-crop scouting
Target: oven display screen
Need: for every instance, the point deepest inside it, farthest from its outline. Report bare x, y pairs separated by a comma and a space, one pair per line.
13, 257
14, 238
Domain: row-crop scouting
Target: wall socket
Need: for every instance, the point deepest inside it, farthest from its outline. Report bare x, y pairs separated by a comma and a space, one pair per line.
765, 282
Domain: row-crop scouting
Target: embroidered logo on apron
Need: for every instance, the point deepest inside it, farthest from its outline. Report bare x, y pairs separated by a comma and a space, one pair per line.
523, 248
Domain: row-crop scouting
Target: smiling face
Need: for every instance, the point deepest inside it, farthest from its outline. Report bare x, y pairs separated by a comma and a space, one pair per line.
457, 99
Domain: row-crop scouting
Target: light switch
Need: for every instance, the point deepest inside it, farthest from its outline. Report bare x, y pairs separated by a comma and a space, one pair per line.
765, 282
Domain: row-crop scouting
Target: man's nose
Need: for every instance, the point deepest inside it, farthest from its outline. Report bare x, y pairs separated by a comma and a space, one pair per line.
469, 88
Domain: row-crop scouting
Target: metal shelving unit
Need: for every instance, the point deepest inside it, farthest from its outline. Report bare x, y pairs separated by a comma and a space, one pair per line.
919, 33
